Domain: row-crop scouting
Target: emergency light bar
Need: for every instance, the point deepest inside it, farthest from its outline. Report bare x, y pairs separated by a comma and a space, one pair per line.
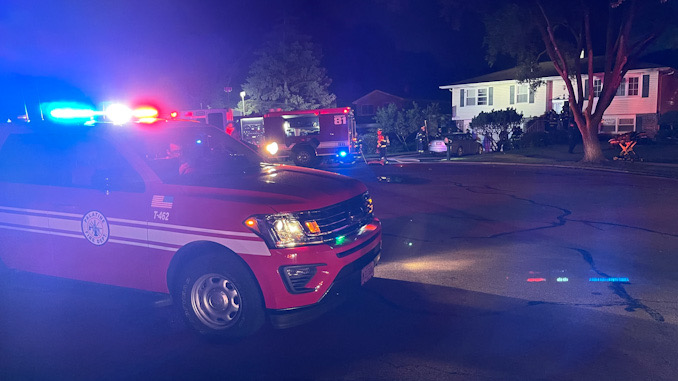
116, 113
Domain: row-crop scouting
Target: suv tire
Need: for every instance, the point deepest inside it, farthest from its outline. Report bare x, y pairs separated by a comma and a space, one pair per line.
219, 297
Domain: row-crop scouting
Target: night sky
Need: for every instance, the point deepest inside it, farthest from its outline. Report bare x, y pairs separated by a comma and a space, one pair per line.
179, 53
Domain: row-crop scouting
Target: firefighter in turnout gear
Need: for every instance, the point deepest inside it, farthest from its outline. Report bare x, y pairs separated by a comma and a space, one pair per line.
382, 146
422, 140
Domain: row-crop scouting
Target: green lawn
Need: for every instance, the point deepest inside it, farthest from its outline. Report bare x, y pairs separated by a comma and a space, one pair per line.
650, 153
658, 159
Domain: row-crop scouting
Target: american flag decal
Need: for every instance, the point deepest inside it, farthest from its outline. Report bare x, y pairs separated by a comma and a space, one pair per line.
164, 202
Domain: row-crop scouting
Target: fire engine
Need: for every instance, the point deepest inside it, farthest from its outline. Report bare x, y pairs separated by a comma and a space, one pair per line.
221, 118
307, 137
181, 208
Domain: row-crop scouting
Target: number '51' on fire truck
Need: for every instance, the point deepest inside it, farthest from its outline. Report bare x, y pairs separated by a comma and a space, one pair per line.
307, 137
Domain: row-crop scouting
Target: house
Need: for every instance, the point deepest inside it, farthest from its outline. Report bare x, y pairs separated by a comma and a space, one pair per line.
368, 104
366, 108
647, 91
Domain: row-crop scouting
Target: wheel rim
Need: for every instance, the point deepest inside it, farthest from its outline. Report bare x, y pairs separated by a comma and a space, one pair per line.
303, 157
216, 301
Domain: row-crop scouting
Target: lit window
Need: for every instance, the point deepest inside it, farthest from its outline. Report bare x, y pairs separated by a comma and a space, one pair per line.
470, 97
633, 85
482, 97
522, 93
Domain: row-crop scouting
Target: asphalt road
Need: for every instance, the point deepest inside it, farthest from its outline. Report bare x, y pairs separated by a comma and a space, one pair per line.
489, 272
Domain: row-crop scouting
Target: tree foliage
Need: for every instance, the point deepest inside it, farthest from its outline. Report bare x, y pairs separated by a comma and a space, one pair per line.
619, 31
287, 75
491, 123
402, 123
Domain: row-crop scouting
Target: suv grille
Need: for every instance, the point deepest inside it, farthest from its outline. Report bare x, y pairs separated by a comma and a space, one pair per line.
341, 219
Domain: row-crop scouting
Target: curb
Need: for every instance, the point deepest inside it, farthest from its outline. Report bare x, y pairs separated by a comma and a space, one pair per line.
640, 172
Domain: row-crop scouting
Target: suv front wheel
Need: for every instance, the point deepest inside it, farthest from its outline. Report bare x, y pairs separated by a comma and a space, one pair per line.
219, 297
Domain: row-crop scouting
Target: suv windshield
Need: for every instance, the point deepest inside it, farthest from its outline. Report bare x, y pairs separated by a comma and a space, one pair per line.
188, 153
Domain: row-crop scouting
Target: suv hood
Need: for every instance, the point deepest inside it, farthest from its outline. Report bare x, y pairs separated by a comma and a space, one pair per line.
281, 187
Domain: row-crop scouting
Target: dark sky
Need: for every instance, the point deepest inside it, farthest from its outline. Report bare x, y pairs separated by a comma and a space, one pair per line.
178, 52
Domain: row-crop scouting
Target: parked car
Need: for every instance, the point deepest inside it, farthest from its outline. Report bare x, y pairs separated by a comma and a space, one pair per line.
461, 143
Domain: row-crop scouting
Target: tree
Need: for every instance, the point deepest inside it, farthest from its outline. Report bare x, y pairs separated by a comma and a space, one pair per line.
619, 30
401, 123
391, 120
492, 123
287, 75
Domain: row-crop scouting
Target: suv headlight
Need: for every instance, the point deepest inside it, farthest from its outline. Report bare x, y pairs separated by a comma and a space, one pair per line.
284, 230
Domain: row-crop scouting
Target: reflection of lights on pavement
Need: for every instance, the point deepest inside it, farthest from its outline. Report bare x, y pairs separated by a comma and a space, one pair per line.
536, 279
562, 279
608, 279
436, 264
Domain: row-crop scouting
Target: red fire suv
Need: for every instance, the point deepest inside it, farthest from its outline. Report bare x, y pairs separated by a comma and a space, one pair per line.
182, 208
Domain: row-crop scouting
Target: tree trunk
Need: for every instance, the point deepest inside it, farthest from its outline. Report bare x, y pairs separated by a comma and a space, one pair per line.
593, 153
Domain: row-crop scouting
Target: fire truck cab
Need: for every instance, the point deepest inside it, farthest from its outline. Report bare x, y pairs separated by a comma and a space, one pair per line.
306, 137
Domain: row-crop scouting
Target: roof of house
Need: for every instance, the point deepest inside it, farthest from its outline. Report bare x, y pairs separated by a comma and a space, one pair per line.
547, 70
374, 92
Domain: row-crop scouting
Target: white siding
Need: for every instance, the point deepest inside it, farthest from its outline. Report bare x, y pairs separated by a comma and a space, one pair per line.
501, 100
626, 106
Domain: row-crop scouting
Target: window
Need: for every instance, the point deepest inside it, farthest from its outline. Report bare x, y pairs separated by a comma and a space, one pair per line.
523, 92
482, 97
626, 125
471, 97
597, 87
621, 90
66, 160
302, 126
633, 86
367, 110
202, 156
608, 125
614, 125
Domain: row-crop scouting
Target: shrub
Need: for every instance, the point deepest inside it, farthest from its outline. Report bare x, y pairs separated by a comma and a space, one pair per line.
535, 139
369, 142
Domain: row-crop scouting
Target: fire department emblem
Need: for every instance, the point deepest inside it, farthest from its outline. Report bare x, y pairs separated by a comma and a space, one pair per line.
95, 227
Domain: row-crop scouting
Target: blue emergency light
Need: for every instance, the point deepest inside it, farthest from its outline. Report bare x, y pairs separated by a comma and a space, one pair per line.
69, 111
